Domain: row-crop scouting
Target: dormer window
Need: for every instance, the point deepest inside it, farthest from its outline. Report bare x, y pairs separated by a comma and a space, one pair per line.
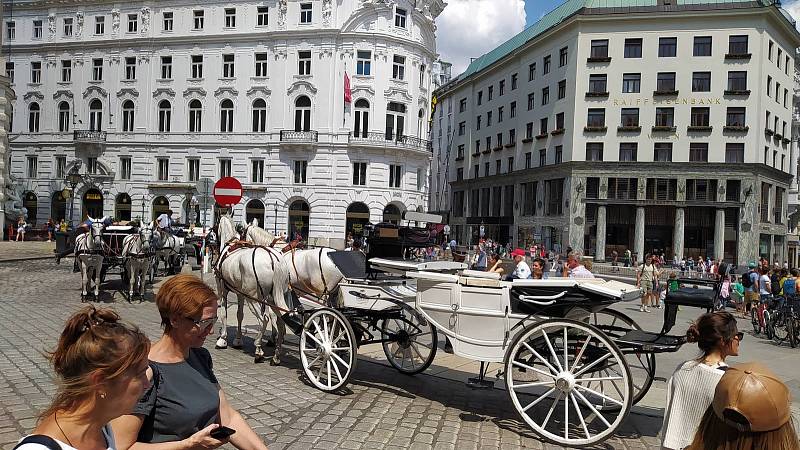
400, 17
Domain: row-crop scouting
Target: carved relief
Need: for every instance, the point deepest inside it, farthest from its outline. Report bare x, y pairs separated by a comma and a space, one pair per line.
115, 21
127, 92
163, 93
326, 12
96, 90
258, 91
51, 26
145, 19
79, 24
301, 87
281, 14
227, 92
62, 94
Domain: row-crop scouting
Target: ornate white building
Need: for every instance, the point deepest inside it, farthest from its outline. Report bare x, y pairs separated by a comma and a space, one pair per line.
148, 100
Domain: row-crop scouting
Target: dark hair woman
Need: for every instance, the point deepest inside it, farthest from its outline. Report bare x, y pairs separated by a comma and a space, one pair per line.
690, 389
101, 366
185, 403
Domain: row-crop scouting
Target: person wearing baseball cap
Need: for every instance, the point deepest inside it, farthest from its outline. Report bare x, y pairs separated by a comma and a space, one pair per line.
750, 411
522, 270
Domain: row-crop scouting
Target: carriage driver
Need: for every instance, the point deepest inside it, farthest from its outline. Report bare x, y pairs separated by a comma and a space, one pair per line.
164, 222
80, 229
522, 270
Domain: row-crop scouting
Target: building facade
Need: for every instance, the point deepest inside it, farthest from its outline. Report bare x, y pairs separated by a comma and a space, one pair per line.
148, 101
649, 126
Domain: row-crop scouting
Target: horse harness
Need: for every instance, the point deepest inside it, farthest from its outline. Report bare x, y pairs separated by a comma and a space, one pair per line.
86, 250
306, 289
125, 247
236, 244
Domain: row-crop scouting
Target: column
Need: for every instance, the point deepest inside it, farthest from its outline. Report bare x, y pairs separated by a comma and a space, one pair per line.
600, 252
638, 240
719, 234
677, 232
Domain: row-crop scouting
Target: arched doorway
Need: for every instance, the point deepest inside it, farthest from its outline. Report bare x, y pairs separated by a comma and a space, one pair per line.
254, 210
31, 203
299, 214
58, 206
92, 204
356, 217
122, 207
160, 206
391, 214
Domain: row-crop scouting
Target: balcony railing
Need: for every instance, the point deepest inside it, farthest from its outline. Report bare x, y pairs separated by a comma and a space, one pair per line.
390, 139
89, 136
298, 136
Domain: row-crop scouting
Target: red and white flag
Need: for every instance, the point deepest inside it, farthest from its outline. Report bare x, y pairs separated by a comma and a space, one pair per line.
348, 95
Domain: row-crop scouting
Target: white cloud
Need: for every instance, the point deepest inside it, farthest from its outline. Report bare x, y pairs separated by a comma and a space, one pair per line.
793, 7
469, 28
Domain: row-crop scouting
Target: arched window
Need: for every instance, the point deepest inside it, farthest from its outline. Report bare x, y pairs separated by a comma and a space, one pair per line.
33, 118
122, 207
164, 116
96, 115
361, 125
299, 213
160, 206
30, 202
259, 116
226, 116
254, 210
195, 116
302, 114
356, 217
127, 115
421, 124
63, 117
391, 214
395, 121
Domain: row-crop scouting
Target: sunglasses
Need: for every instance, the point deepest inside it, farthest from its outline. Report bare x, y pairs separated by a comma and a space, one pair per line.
739, 336
204, 323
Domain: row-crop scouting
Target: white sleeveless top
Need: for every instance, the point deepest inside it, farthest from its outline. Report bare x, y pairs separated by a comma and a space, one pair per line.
107, 433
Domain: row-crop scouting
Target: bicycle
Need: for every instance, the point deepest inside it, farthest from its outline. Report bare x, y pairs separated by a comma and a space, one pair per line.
760, 317
780, 322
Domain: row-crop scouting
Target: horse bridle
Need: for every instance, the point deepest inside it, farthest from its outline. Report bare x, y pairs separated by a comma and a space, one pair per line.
89, 251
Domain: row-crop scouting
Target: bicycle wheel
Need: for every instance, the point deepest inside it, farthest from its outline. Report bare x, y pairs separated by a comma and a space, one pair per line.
780, 327
754, 320
768, 324
792, 324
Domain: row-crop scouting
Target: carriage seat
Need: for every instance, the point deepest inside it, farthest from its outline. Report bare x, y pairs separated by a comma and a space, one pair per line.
479, 278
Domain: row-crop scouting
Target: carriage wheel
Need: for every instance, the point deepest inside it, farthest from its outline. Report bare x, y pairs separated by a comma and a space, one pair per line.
642, 365
328, 349
409, 342
563, 376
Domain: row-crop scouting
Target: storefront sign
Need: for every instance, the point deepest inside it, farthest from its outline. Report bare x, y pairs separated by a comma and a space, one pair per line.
357, 227
665, 101
94, 197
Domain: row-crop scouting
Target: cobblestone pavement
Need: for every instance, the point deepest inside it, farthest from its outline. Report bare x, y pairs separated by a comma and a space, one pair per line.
381, 408
11, 250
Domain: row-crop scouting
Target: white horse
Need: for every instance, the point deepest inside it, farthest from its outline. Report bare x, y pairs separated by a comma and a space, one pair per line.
167, 248
88, 252
257, 274
136, 251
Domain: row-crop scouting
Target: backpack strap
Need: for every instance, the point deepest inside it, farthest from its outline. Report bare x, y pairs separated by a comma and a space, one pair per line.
40, 439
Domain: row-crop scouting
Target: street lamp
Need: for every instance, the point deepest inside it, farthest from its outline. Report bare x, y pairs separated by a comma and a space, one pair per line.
74, 179
275, 232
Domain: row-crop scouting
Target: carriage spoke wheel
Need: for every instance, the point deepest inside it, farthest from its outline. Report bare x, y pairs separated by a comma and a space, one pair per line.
563, 377
409, 342
328, 349
642, 365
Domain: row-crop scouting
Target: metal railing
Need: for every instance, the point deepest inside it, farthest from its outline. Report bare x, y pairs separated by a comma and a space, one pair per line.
88, 136
299, 136
393, 140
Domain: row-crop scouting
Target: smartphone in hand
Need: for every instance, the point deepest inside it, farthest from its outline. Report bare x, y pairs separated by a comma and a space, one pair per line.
222, 432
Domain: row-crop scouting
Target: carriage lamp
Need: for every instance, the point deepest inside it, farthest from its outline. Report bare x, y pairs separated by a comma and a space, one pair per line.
275, 231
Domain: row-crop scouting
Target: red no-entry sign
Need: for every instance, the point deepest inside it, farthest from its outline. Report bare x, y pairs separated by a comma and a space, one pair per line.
227, 191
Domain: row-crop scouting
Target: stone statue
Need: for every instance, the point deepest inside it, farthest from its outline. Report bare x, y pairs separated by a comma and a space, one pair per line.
51, 25
281, 13
326, 12
145, 19
114, 21
79, 23
13, 206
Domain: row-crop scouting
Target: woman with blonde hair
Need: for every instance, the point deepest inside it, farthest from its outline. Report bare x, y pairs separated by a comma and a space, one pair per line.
101, 366
185, 408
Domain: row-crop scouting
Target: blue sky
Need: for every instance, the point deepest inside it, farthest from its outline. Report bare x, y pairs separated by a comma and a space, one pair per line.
537, 8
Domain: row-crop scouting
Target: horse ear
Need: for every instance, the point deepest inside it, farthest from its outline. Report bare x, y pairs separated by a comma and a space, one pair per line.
255, 222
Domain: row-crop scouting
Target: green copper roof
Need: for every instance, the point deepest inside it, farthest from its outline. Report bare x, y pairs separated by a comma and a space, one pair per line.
570, 7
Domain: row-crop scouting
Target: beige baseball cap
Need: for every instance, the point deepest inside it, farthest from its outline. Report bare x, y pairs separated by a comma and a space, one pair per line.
749, 397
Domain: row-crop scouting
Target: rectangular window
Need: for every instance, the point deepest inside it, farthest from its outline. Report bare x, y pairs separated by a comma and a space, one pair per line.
633, 48
68, 27
395, 175
701, 82
488, 118
499, 114
665, 117
513, 109
546, 63
11, 30
305, 12
542, 126
228, 66
163, 169
477, 123
530, 101
37, 29
700, 117
599, 49
665, 82
477, 146
737, 80
531, 71
514, 78
497, 170
480, 99
224, 168
594, 151
598, 84
197, 66
491, 92
662, 151
560, 121
33, 167
399, 67
400, 17
61, 167
529, 130
596, 117
462, 127
460, 154
230, 17
628, 151
462, 105
542, 157
499, 140
559, 154
563, 57
735, 117
130, 68
360, 174
777, 90
199, 19
166, 67
510, 164
698, 152
36, 72
512, 136
528, 160
301, 170
702, 46
488, 142
459, 177
262, 17
734, 152
91, 165
631, 82
562, 89
737, 45
257, 171
133, 23
99, 25
630, 117
97, 69
193, 168
364, 62
667, 47
10, 71
545, 95
66, 71
771, 48
167, 23
261, 65
502, 86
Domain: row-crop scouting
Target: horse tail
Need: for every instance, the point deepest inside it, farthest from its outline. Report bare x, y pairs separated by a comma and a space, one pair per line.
280, 279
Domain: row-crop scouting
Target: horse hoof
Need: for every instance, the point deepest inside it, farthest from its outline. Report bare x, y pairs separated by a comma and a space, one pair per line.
221, 343
258, 359
274, 362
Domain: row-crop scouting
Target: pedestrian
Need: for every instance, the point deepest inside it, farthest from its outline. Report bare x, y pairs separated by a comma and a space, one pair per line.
521, 271
21, 225
537, 270
51, 229
495, 264
614, 261
645, 278
481, 258
185, 403
725, 292
751, 410
101, 365
690, 389
576, 269
737, 293
750, 284
627, 257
